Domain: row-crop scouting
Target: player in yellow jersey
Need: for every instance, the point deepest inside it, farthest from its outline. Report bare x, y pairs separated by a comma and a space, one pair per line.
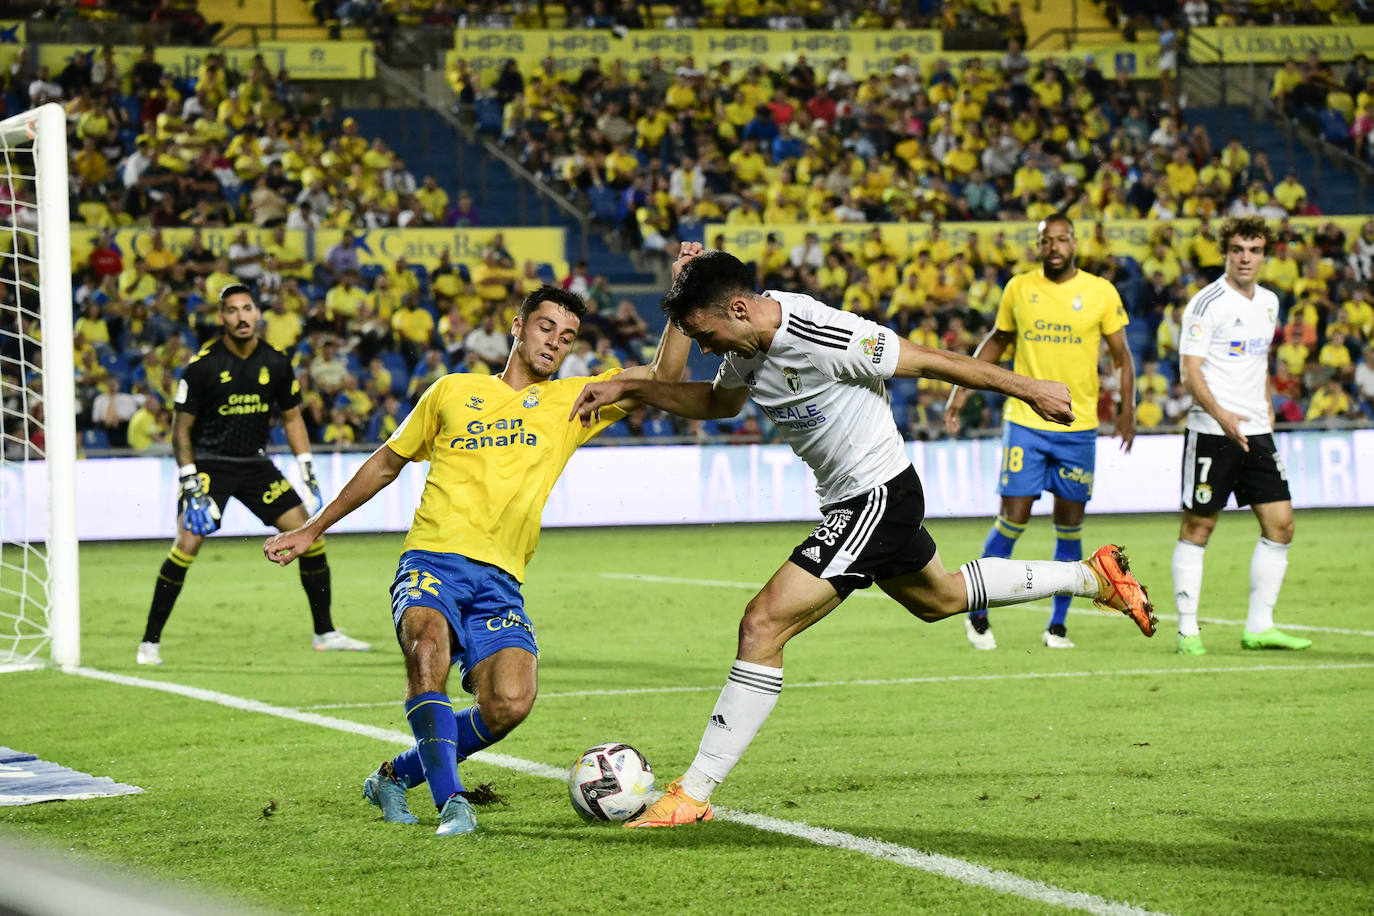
1056, 317
496, 445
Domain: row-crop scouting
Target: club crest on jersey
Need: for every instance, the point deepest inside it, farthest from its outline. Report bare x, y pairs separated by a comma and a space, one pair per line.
531, 399
1078, 303
264, 376
792, 378
474, 402
1203, 494
224, 377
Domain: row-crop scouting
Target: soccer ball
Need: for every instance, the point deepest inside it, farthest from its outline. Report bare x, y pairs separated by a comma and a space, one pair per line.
610, 782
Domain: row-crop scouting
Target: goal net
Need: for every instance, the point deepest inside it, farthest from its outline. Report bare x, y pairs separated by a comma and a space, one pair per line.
38, 568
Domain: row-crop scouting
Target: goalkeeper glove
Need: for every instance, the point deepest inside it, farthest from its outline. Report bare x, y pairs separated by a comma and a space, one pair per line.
313, 500
202, 515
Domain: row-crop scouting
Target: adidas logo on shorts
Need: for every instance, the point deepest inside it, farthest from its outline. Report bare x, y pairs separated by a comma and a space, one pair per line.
812, 553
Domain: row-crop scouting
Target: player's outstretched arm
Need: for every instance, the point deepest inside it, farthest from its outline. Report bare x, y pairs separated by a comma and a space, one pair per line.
990, 350
1190, 369
670, 360
378, 471
693, 400
1050, 400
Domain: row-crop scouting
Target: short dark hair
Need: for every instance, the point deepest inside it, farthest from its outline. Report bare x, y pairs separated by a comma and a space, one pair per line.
708, 281
565, 299
1247, 227
1058, 216
234, 289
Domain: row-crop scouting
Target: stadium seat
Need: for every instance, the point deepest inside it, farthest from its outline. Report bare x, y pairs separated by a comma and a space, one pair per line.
489, 118
94, 439
370, 273
544, 271
277, 436
605, 205
420, 274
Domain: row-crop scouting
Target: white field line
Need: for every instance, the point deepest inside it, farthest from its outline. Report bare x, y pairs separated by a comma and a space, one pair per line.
945, 866
933, 679
755, 586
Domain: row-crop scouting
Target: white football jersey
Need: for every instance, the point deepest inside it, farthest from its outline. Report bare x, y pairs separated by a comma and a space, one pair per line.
1233, 335
821, 383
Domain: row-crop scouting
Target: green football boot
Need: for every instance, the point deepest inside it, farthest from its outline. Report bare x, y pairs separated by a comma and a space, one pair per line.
1272, 638
1191, 645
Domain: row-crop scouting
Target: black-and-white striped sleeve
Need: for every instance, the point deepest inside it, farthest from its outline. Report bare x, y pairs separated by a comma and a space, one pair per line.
824, 335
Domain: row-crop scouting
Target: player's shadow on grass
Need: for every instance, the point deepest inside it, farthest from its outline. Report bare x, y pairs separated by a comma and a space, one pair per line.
1310, 849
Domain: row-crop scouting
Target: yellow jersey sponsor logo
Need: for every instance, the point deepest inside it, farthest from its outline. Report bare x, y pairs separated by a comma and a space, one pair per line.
496, 434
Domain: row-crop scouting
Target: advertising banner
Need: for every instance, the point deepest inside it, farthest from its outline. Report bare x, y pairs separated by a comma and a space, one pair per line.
329, 60
125, 498
1275, 44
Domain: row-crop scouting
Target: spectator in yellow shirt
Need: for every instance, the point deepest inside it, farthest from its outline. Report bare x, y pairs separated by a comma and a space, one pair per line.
414, 327
282, 328
342, 301
1179, 174
1330, 403
1336, 356
1289, 192
433, 199
1148, 413
148, 426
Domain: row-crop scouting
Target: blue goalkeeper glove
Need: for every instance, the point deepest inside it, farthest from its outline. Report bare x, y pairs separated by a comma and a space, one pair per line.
313, 499
202, 515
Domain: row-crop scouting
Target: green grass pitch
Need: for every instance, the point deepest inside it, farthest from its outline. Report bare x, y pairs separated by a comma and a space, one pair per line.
1233, 783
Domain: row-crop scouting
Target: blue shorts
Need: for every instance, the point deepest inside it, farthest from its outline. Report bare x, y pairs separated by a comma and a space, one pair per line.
481, 602
1036, 460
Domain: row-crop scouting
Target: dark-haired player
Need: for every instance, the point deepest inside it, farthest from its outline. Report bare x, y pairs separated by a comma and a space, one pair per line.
1229, 446
818, 373
1056, 318
224, 406
496, 445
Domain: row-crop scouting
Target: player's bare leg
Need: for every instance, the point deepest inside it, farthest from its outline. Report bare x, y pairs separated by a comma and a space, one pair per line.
504, 686
791, 601
170, 578
315, 580
1267, 567
428, 644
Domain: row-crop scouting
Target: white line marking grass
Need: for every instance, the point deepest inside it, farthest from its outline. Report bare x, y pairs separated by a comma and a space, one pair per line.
755, 586
932, 679
944, 866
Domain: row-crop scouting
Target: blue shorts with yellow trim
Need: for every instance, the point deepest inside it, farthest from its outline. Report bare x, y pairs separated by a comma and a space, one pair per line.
1036, 460
481, 602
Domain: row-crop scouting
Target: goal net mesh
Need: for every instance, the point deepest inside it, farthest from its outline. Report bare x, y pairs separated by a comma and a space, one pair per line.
26, 583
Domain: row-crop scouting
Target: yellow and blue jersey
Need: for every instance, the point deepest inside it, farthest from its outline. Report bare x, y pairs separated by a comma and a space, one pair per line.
1059, 329
495, 454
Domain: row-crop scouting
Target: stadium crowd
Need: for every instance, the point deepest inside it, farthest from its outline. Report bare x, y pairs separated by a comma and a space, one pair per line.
675, 150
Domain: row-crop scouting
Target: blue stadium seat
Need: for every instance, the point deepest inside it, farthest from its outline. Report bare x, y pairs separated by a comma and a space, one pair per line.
277, 436
605, 205
94, 438
544, 271
488, 116
370, 273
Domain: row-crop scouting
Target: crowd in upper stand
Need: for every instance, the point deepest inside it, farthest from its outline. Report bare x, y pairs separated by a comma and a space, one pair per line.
673, 151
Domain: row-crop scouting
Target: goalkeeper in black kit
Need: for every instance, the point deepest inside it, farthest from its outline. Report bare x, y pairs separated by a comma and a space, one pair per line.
224, 406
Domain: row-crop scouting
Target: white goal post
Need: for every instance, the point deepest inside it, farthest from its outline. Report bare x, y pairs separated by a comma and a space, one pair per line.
39, 577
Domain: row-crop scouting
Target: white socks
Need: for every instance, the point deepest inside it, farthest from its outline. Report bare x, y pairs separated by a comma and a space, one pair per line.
993, 582
1267, 565
749, 696
1187, 569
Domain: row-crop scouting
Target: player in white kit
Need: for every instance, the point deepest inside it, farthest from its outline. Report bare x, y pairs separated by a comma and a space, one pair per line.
1224, 361
818, 373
